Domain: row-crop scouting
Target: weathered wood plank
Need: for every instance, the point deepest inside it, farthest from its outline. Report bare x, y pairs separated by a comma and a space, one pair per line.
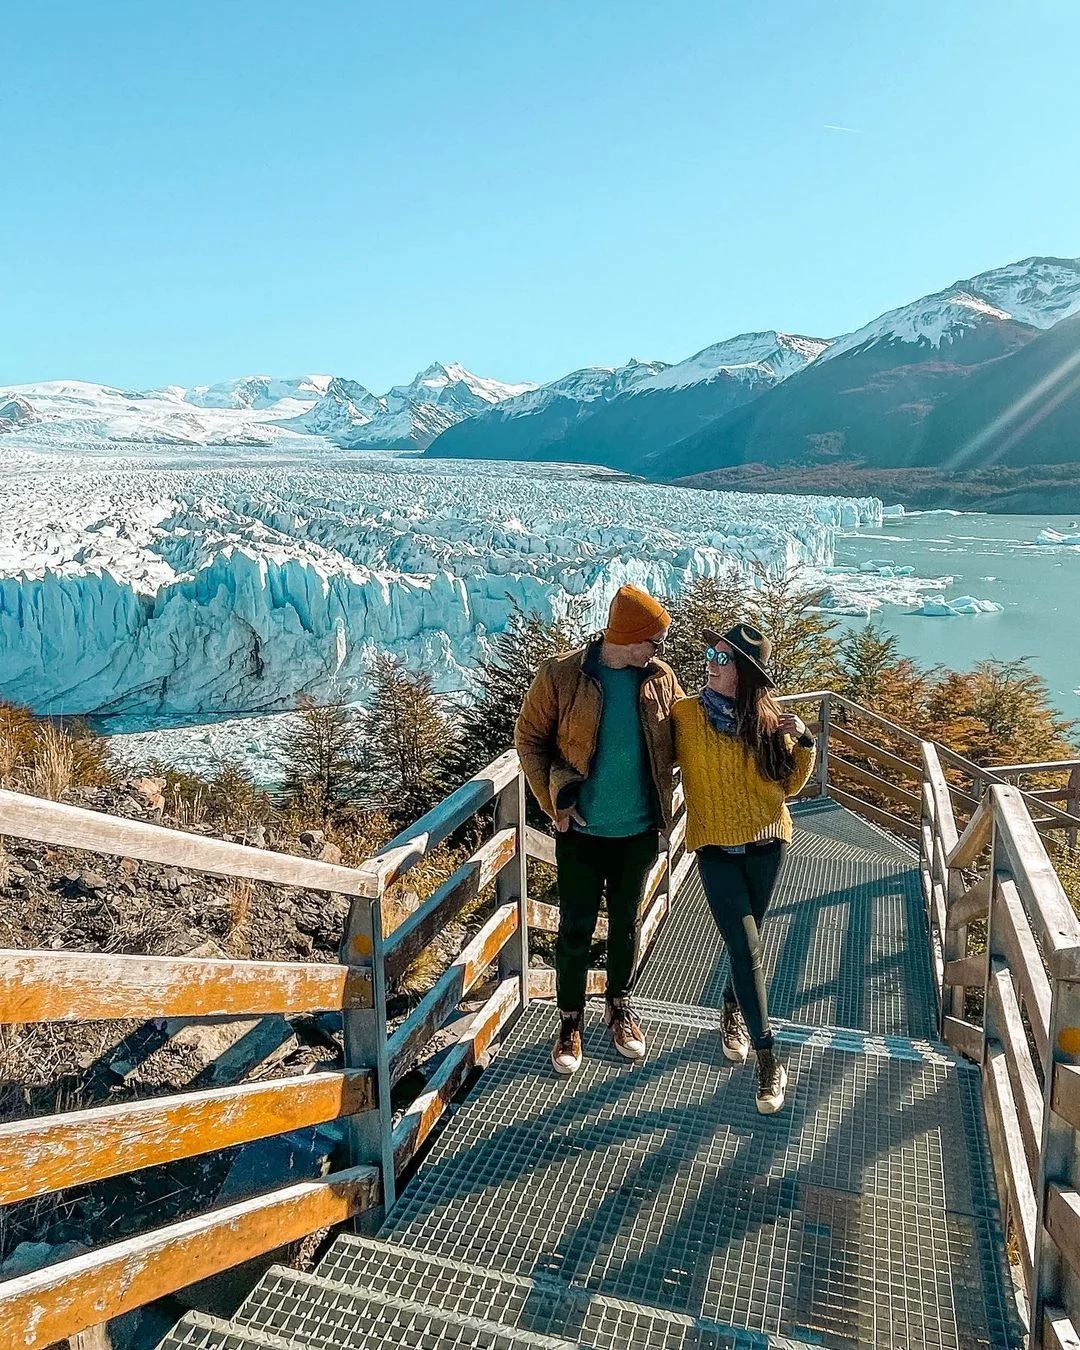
968, 971
540, 846
973, 904
1052, 917
678, 834
51, 1152
406, 849
1065, 1098
653, 882
542, 983
869, 750
975, 837
865, 778
681, 871
650, 925
997, 1093
94, 831
1018, 942
1058, 1330
448, 991
964, 1037
1026, 1093
411, 936
908, 829
38, 1309
546, 919
945, 825
1062, 1218
88, 986
422, 1116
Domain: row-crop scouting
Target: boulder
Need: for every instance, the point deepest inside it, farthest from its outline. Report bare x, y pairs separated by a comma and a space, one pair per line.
149, 792
330, 853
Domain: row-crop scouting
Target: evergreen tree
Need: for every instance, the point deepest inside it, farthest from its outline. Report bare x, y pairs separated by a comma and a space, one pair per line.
320, 756
865, 656
487, 721
408, 743
804, 652
708, 602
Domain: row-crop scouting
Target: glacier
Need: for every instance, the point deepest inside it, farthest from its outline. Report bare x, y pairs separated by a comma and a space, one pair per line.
150, 594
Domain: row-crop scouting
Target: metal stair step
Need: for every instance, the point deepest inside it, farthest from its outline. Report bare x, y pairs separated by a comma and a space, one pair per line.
200, 1331
316, 1314
544, 1305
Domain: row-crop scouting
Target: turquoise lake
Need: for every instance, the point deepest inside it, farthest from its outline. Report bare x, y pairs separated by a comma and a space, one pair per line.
993, 558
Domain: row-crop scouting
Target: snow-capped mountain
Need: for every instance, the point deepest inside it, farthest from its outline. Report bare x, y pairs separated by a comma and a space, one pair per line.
1038, 292
776, 355
263, 392
865, 401
624, 416
409, 416
255, 410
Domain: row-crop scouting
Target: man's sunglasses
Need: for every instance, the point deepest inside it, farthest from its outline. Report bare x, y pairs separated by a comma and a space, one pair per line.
721, 658
657, 644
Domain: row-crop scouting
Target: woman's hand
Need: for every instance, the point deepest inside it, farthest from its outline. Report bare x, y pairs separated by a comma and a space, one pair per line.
792, 726
564, 820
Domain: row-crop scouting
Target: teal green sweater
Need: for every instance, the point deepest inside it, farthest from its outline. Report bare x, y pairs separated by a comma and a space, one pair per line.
618, 798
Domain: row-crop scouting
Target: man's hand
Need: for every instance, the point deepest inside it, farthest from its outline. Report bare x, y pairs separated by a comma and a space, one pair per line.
563, 819
792, 726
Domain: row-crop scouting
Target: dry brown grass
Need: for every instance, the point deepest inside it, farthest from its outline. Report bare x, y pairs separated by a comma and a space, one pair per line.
238, 902
47, 758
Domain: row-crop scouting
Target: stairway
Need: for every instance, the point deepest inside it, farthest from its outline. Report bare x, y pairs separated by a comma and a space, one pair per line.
650, 1206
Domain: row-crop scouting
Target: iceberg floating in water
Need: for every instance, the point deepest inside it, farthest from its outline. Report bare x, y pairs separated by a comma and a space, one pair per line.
940, 608
1055, 539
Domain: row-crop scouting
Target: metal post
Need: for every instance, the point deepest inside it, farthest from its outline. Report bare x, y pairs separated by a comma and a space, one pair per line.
512, 884
823, 748
371, 1138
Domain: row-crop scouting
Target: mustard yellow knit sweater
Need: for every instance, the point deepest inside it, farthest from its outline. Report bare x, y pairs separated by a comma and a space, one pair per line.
728, 801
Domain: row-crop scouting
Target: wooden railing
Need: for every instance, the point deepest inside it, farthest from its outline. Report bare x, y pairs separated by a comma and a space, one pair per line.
43, 1155
982, 861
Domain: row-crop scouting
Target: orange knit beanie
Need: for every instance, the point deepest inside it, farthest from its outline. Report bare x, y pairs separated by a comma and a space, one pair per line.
634, 616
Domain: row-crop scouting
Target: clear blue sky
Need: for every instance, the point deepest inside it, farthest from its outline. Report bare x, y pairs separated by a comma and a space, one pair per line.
207, 188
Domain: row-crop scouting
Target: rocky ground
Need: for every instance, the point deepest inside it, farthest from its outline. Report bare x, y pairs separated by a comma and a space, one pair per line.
61, 899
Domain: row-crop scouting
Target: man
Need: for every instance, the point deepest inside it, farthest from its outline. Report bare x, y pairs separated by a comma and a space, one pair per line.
595, 741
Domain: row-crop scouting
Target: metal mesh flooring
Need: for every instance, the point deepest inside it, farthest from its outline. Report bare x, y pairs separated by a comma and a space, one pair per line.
845, 945
649, 1207
862, 1214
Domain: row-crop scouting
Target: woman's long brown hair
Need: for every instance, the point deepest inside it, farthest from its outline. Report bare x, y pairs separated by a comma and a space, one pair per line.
758, 724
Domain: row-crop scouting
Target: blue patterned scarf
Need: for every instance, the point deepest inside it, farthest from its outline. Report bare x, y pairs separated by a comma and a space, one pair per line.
720, 710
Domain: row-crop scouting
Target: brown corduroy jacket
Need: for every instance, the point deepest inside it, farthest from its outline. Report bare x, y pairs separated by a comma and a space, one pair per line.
559, 719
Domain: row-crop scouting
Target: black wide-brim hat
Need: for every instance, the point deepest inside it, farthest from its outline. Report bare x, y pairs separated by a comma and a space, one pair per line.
751, 644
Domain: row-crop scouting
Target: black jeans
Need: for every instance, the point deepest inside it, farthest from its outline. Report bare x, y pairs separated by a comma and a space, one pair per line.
588, 867
738, 887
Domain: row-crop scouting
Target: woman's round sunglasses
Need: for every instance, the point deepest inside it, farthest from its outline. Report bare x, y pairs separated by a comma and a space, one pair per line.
721, 658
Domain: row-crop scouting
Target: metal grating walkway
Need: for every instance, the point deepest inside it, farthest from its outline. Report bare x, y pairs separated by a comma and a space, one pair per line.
650, 1207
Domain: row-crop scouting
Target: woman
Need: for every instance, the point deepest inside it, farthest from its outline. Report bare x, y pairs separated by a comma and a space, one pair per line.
741, 756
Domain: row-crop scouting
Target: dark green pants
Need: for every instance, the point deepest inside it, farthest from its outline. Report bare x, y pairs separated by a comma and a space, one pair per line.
589, 868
